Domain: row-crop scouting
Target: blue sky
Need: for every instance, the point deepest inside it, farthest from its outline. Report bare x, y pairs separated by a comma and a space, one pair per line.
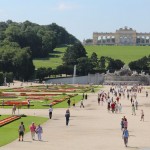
80, 17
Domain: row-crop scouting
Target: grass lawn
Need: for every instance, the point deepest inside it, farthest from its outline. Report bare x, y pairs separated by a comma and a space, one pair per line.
53, 61
125, 53
64, 103
9, 132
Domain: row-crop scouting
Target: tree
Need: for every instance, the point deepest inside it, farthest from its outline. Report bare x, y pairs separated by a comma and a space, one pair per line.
73, 53
115, 64
41, 73
1, 78
17, 60
94, 60
65, 69
49, 71
141, 64
84, 66
102, 62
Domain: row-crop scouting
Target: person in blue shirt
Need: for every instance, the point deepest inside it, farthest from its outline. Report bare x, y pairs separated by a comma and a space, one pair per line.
125, 136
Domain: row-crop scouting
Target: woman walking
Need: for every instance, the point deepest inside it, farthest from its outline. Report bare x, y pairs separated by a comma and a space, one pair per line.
39, 132
67, 115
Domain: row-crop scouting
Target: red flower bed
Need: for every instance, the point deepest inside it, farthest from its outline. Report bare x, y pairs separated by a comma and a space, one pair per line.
8, 95
25, 94
38, 98
11, 103
8, 120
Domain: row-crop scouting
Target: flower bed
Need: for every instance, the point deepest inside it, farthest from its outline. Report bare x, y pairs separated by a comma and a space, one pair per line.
38, 98
8, 120
8, 95
17, 103
25, 94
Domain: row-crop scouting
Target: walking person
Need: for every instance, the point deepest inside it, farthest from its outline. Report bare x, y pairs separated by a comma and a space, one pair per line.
146, 94
122, 124
125, 123
83, 95
39, 132
82, 105
120, 108
142, 115
67, 115
32, 130
28, 103
21, 131
125, 136
136, 105
50, 112
98, 100
13, 109
69, 102
86, 96
133, 109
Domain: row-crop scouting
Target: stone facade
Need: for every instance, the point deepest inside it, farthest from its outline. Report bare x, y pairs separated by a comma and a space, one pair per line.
123, 36
89, 79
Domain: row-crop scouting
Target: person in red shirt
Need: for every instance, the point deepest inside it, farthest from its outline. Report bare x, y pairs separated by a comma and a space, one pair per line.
32, 130
117, 99
113, 107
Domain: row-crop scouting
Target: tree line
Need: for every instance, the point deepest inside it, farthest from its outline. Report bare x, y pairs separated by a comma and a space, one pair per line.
41, 39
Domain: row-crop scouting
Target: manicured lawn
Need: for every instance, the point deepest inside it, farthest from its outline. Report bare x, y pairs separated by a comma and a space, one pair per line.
64, 103
125, 53
53, 61
9, 133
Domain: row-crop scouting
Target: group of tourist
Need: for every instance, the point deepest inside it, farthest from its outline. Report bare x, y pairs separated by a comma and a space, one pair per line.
114, 105
33, 129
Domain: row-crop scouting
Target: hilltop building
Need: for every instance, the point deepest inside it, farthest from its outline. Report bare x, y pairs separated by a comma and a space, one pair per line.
123, 36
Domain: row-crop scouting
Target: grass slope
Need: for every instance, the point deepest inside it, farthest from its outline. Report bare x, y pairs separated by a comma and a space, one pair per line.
125, 53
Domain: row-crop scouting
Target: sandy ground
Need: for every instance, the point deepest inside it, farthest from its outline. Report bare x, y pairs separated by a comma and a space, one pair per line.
90, 128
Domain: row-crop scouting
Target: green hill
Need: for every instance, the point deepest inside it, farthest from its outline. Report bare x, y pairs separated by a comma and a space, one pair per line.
125, 53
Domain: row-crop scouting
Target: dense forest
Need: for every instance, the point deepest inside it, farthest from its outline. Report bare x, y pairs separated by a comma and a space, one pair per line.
41, 39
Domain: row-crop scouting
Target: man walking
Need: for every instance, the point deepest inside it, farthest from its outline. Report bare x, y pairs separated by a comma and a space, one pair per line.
125, 136
50, 112
67, 115
21, 131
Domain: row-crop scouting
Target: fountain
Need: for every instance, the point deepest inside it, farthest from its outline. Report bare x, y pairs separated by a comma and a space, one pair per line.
74, 74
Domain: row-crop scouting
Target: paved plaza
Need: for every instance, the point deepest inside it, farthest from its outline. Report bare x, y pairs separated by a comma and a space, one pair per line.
90, 128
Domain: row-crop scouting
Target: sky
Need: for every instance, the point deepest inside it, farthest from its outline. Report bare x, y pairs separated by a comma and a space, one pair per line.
80, 17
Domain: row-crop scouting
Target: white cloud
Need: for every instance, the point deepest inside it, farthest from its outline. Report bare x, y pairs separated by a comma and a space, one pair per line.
66, 6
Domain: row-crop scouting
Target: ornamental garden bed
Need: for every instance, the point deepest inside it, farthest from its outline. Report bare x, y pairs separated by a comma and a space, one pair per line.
54, 88
8, 120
